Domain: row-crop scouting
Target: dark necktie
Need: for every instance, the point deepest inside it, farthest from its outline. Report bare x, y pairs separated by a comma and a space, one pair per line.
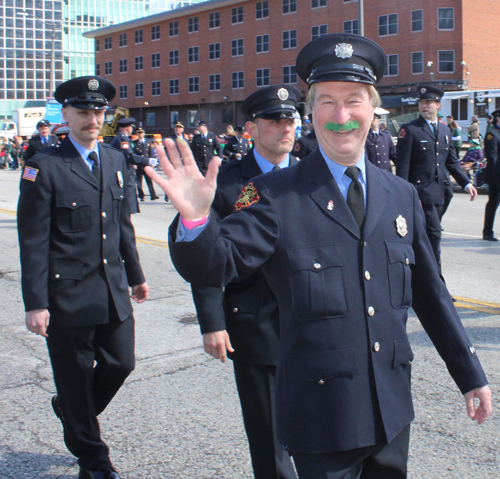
434, 128
276, 167
355, 197
95, 167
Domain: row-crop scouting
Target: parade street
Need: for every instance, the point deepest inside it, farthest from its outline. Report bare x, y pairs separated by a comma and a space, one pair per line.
178, 414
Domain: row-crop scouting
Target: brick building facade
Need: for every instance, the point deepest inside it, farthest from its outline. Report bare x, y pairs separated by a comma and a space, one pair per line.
202, 61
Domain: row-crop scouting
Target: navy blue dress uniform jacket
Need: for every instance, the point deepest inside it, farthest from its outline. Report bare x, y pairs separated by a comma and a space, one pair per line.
122, 143
234, 146
143, 149
305, 145
204, 149
343, 376
247, 309
380, 149
35, 146
77, 247
492, 153
423, 160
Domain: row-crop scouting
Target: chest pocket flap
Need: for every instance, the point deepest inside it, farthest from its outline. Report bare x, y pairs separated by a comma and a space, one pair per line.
73, 211
400, 258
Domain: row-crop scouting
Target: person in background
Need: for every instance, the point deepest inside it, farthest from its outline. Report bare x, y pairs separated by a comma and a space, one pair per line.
456, 137
178, 131
143, 147
205, 146
237, 146
380, 149
41, 141
473, 132
492, 176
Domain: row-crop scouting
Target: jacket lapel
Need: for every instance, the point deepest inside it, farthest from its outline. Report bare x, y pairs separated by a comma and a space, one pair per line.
326, 194
377, 195
427, 128
107, 169
249, 166
78, 166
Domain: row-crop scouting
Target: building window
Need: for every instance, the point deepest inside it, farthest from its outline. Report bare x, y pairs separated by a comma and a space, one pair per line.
214, 82
417, 20
214, 51
237, 15
351, 26
192, 118
262, 10
155, 60
262, 77
318, 3
122, 42
289, 74
150, 118
388, 25
392, 65
139, 63
174, 118
289, 39
214, 20
319, 31
262, 43
238, 80
123, 92
193, 54
446, 61
237, 49
98, 69
194, 84
108, 68
139, 90
108, 42
138, 36
174, 86
97, 45
289, 6
446, 18
123, 65
192, 24
173, 29
417, 62
155, 32
173, 57
155, 88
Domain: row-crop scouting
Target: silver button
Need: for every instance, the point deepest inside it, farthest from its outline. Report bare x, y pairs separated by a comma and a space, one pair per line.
73, 204
371, 311
235, 310
105, 261
367, 275
407, 261
438, 164
365, 244
104, 236
376, 347
57, 276
437, 154
121, 197
472, 349
317, 266
321, 382
410, 363
103, 214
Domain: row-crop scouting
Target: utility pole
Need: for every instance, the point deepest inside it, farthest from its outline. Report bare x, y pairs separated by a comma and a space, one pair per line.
361, 17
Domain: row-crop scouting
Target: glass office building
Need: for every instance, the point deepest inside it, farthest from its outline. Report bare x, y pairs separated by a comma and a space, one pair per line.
26, 44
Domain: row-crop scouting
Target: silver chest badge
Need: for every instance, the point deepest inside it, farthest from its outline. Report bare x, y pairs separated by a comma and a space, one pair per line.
119, 175
401, 226
343, 50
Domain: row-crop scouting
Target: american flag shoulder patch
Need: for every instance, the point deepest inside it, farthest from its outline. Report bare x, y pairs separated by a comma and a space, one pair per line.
30, 173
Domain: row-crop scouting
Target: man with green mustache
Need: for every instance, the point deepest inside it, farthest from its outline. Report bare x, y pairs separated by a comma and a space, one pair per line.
342, 245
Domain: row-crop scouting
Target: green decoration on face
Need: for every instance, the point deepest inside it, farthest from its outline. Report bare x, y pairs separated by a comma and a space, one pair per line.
350, 125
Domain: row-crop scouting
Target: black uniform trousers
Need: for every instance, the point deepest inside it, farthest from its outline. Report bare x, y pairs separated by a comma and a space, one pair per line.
491, 208
256, 389
140, 175
85, 390
384, 461
433, 214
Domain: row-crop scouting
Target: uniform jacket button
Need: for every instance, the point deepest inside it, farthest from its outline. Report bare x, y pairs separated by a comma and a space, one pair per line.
317, 266
367, 275
73, 204
105, 261
376, 347
235, 310
321, 382
472, 349
57, 276
371, 311
104, 236
103, 214
407, 261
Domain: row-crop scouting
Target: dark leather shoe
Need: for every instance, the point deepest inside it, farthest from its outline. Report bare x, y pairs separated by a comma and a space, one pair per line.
56, 406
154, 198
102, 474
490, 238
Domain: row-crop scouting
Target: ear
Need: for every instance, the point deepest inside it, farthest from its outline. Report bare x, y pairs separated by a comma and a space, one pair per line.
251, 128
64, 114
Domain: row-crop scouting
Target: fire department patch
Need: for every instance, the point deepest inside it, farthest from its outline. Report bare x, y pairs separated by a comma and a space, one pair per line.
489, 136
125, 145
402, 133
297, 147
248, 196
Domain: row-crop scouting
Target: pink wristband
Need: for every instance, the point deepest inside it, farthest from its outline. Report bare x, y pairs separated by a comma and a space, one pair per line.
191, 224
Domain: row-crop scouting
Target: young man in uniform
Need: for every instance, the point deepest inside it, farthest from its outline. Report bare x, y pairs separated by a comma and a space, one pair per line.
245, 316
237, 146
78, 260
342, 246
380, 149
143, 147
204, 146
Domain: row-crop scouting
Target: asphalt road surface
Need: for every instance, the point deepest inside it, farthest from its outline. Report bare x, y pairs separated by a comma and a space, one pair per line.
178, 414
